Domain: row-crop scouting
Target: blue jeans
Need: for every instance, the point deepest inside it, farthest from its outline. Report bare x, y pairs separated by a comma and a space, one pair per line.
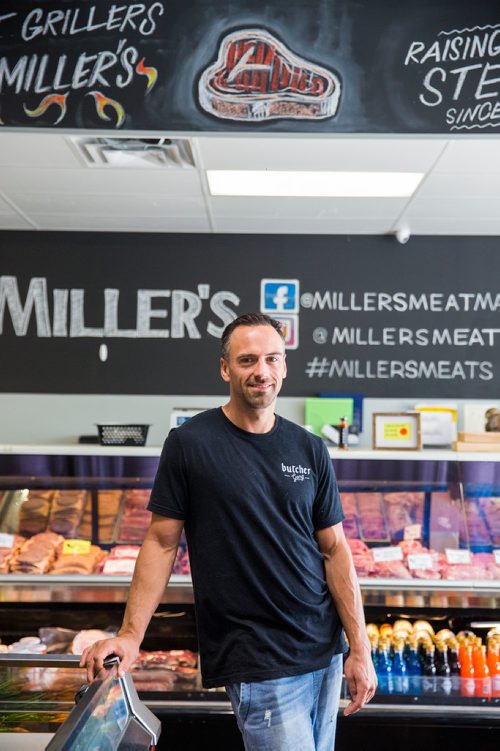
298, 713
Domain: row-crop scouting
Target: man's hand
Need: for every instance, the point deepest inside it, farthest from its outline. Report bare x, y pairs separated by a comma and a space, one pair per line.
361, 680
126, 647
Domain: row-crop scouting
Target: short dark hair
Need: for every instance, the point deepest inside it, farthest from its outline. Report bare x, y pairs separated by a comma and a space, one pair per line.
247, 319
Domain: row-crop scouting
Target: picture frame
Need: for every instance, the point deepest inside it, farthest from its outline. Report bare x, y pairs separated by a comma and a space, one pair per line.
478, 417
400, 431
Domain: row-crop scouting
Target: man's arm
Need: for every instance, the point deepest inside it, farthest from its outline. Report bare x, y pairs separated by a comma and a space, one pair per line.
151, 575
344, 587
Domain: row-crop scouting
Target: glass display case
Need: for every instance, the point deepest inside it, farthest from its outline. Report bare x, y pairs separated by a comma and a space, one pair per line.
45, 696
424, 532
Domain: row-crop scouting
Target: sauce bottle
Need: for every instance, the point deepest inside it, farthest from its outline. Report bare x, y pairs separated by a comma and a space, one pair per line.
343, 429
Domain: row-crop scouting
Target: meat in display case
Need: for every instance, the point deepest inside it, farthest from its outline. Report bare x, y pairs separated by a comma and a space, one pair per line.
426, 552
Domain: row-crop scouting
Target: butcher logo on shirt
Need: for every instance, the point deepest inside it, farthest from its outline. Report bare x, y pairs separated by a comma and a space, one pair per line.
297, 472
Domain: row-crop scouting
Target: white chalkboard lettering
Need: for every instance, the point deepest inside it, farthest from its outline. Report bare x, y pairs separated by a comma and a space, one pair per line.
321, 368
186, 306
401, 302
60, 316
468, 84
111, 297
35, 299
145, 313
77, 325
217, 306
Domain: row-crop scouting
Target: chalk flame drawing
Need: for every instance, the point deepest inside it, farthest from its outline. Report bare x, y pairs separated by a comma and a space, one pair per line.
101, 102
48, 101
151, 73
256, 77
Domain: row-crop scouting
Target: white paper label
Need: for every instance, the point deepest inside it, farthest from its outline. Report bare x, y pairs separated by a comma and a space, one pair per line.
119, 566
457, 556
496, 553
413, 532
7, 541
126, 552
419, 561
387, 554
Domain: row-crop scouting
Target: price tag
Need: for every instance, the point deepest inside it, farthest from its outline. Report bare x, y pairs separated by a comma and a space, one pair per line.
76, 547
457, 556
413, 532
7, 541
119, 566
387, 554
126, 551
419, 561
496, 553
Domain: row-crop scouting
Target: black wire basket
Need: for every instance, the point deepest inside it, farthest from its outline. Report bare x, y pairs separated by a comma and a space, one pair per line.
117, 434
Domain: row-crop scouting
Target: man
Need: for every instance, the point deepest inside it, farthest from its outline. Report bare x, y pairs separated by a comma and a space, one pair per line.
272, 573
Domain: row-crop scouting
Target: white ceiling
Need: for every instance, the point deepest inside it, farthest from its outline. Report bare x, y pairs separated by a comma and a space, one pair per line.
46, 185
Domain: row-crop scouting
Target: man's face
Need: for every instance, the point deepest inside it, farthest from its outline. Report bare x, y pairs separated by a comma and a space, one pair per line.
255, 367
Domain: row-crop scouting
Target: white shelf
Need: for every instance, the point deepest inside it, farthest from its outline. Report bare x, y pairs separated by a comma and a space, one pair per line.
425, 455
80, 449
86, 449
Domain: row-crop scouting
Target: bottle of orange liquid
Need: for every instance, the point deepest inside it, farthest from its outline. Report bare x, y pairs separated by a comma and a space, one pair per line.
468, 686
481, 670
494, 666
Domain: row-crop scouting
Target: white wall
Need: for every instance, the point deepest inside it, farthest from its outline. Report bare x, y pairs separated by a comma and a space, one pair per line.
60, 419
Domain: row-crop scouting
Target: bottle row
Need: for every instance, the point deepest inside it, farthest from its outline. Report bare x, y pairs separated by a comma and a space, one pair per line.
410, 658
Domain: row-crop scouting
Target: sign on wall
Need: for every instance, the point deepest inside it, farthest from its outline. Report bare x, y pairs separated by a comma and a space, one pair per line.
322, 66
360, 314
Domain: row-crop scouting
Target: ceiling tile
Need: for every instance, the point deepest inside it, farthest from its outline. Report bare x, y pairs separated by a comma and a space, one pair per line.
312, 209
36, 150
389, 154
181, 183
110, 223
471, 155
90, 204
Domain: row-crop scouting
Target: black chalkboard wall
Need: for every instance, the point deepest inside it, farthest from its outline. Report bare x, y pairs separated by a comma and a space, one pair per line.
321, 66
363, 314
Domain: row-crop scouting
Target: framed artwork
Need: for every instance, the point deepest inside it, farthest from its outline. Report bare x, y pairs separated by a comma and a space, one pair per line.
397, 430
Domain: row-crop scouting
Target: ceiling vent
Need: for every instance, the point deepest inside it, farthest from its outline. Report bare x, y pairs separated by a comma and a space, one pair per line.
134, 153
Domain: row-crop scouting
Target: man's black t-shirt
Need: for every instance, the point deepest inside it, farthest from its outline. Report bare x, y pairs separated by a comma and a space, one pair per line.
251, 503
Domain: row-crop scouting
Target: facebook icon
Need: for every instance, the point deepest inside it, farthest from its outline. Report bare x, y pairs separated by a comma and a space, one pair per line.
279, 295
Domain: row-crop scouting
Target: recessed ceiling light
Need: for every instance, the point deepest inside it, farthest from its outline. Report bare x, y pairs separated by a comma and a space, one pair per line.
313, 184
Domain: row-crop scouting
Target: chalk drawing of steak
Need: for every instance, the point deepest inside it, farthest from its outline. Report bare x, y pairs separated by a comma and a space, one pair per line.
256, 77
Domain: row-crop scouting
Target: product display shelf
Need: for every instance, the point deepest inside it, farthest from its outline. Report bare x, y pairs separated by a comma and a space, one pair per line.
376, 590
46, 588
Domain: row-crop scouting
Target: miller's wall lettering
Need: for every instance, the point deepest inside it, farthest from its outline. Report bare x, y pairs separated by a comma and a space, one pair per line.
359, 315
